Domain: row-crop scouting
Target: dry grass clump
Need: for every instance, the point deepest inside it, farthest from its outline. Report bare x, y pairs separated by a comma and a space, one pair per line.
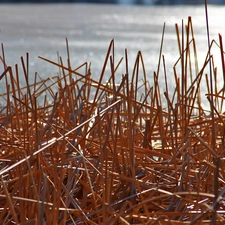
74, 150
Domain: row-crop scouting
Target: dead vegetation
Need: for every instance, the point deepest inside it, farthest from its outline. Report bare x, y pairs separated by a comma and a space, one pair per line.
76, 150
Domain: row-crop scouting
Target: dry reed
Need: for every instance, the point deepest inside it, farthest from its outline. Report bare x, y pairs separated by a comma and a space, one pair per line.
75, 150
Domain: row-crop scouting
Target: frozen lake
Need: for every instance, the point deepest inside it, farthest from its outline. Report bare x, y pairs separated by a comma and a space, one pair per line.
42, 29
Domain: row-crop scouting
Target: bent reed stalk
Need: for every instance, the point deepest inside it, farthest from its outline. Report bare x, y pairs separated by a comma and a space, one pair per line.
76, 150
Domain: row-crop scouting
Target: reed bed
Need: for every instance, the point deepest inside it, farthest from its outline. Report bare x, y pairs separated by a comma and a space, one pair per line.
77, 150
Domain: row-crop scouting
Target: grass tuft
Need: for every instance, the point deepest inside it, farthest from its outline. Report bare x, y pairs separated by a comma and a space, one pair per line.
76, 150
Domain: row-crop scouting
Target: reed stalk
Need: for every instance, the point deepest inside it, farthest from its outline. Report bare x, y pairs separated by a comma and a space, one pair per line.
76, 150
